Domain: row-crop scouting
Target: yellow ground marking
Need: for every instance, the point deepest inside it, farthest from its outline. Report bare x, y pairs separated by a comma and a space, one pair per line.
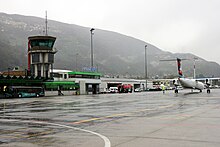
102, 118
168, 106
121, 114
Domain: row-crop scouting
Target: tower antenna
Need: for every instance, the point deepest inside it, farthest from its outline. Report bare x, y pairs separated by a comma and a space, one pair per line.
46, 25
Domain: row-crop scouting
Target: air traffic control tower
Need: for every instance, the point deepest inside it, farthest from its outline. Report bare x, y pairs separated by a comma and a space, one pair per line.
41, 55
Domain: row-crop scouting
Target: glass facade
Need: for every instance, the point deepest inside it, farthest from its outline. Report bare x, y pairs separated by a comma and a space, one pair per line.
42, 42
51, 58
32, 70
35, 57
57, 75
46, 70
39, 70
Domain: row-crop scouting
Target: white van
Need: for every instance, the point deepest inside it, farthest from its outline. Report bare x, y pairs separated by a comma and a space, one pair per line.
113, 89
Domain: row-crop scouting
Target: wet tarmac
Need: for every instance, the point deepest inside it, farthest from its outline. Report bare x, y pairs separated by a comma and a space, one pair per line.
116, 120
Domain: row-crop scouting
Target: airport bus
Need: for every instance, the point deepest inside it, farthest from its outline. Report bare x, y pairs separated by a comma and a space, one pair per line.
24, 91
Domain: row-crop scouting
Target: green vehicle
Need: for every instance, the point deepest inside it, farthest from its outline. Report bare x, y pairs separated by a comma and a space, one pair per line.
24, 91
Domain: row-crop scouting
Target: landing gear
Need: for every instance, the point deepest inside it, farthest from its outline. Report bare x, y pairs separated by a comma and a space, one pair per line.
208, 90
208, 84
176, 90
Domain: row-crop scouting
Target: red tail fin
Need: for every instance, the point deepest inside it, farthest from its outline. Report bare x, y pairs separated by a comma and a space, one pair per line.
179, 67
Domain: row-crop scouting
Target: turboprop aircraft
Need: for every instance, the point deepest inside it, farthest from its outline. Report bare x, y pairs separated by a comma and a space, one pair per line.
186, 82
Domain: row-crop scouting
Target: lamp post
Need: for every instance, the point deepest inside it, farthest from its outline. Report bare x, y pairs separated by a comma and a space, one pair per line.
194, 67
146, 65
97, 66
76, 62
92, 33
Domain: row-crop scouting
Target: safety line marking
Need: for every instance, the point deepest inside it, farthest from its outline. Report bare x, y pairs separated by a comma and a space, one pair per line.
105, 139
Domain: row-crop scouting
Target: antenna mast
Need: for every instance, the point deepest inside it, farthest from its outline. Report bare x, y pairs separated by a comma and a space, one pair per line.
46, 25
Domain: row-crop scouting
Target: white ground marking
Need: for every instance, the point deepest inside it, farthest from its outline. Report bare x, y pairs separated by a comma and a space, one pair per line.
105, 139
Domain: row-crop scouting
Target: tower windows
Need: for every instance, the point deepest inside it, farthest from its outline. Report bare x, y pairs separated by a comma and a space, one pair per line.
51, 58
35, 57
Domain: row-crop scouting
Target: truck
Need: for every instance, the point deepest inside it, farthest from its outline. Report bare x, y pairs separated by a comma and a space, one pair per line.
125, 88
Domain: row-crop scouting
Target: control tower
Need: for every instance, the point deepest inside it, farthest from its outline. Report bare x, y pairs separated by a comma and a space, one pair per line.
41, 55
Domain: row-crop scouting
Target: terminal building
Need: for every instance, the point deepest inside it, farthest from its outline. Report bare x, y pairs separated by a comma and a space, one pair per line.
92, 82
85, 82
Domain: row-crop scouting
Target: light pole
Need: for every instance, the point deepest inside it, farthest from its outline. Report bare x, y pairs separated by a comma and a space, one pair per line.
146, 65
97, 66
76, 62
92, 33
194, 67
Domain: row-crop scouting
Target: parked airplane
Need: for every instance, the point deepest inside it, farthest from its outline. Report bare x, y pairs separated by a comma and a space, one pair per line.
186, 82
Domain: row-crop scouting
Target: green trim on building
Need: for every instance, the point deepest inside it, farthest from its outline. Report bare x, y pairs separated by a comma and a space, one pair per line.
62, 84
85, 73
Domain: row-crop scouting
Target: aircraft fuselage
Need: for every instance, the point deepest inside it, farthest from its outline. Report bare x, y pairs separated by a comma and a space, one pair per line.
191, 83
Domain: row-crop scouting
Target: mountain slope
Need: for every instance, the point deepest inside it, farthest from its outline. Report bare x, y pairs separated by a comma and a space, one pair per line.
114, 53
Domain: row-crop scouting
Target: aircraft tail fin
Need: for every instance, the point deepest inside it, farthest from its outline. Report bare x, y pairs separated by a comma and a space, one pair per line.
180, 73
179, 67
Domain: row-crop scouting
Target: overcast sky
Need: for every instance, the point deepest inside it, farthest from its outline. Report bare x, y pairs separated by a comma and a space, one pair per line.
186, 26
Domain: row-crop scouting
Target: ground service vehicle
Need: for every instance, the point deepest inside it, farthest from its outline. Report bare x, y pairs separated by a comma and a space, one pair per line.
125, 88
